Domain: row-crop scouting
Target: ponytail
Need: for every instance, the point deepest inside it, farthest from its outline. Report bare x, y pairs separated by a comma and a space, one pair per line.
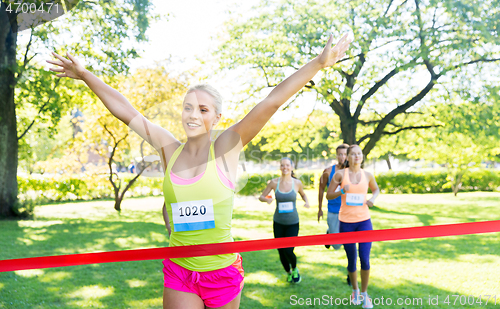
293, 175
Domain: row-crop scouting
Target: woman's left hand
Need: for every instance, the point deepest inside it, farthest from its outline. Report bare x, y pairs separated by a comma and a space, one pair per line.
306, 205
369, 203
329, 56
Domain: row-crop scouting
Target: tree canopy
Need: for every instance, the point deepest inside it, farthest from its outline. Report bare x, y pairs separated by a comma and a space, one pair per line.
405, 55
103, 33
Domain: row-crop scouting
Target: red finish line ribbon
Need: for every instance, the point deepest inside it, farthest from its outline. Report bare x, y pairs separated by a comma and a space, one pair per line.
250, 245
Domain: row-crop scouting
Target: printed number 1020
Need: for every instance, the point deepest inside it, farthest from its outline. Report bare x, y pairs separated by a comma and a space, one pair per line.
192, 211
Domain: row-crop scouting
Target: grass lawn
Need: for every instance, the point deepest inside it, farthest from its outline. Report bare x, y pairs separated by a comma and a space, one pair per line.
409, 270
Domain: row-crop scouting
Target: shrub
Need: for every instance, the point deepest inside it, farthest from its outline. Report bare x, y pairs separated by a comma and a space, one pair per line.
34, 191
256, 183
437, 182
84, 187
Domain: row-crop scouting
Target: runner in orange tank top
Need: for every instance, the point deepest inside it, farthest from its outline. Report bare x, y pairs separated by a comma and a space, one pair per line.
355, 216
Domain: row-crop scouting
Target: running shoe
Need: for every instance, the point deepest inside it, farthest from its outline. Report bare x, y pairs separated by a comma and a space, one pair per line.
367, 303
296, 276
289, 278
355, 298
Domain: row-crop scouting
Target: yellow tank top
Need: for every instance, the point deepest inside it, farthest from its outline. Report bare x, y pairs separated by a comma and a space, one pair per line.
200, 213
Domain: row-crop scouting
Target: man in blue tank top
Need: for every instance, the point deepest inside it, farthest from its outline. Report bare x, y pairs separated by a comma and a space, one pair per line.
333, 205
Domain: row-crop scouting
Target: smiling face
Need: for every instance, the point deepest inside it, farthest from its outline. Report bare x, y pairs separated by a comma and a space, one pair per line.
286, 167
355, 155
199, 114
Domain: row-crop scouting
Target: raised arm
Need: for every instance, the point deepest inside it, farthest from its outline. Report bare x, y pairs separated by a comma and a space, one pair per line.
372, 183
322, 185
115, 102
255, 120
263, 197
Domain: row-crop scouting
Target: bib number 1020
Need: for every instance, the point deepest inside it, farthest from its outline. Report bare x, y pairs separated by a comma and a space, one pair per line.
193, 215
192, 211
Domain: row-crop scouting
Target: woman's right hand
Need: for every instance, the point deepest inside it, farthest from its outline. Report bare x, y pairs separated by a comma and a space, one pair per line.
346, 188
329, 56
67, 67
269, 200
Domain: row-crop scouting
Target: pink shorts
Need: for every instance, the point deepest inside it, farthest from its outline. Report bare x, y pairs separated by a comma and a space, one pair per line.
216, 288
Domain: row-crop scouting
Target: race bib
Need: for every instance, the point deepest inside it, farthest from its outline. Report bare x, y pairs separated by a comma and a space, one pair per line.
285, 207
353, 199
193, 215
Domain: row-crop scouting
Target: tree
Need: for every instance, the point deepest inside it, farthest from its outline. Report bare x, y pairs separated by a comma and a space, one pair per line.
106, 32
395, 145
468, 135
300, 139
405, 53
456, 151
47, 141
473, 128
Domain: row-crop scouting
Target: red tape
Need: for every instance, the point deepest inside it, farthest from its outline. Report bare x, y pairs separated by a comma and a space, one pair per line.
250, 245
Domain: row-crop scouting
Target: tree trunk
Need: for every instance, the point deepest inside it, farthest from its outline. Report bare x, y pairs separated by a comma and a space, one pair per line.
348, 128
295, 159
8, 125
118, 202
458, 183
116, 188
388, 160
120, 196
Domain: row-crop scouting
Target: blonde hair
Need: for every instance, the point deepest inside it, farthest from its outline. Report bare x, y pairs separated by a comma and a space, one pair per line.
212, 92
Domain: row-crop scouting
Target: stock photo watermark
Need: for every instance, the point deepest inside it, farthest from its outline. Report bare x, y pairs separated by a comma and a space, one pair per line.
431, 300
28, 14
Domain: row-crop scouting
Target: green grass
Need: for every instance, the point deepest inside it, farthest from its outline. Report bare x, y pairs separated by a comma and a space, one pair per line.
459, 265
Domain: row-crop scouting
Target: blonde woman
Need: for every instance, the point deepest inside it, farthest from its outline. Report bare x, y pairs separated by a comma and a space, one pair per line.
200, 176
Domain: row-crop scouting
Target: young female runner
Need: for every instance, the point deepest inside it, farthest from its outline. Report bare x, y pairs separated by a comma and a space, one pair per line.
200, 174
286, 217
355, 216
